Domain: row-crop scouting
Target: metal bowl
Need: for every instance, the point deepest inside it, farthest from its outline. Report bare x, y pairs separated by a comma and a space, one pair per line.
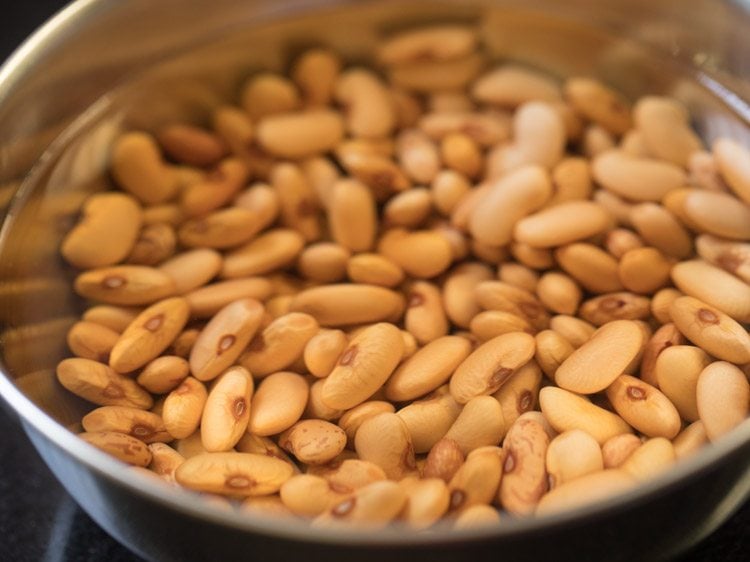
98, 67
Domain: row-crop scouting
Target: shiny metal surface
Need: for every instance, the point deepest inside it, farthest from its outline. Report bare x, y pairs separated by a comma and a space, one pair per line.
100, 66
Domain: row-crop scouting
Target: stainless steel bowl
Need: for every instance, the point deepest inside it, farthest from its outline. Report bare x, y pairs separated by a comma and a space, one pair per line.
98, 67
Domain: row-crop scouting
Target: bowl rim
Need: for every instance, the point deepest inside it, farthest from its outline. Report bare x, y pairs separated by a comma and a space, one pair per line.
190, 504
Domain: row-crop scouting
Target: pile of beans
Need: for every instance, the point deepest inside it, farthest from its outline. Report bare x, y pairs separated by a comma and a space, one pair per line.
435, 291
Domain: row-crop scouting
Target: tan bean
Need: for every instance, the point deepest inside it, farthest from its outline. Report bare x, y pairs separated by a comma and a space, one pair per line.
570, 455
488, 129
268, 252
661, 229
364, 366
632, 143
597, 140
552, 350
665, 128
224, 338
298, 204
263, 201
346, 304
91, 340
384, 439
588, 489
524, 479
374, 269
496, 295
206, 301
280, 344
535, 258
191, 145
731, 159
323, 350
352, 419
565, 411
637, 179
711, 329
149, 334
255, 444
559, 293
714, 286
313, 441
278, 403
379, 173
717, 213
155, 243
316, 408
349, 473
574, 330
459, 299
449, 102
140, 424
115, 318
191, 445
369, 109
650, 459
615, 306
268, 94
590, 266
617, 206
427, 369
106, 233
723, 398
509, 199
315, 72
511, 85
224, 228
644, 407
217, 189
227, 410
192, 269
138, 168
599, 103
422, 253
352, 215
476, 481
236, 474
124, 285
425, 318
164, 461
644, 270
620, 241
299, 134
418, 155
598, 362
462, 154
310, 495
163, 374
372, 507
100, 384
703, 171
666, 336
690, 440
184, 343
408, 209
492, 323
235, 128
428, 500
429, 419
518, 395
480, 423
676, 371
444, 460
661, 303
476, 516
322, 175
439, 42
488, 253
183, 408
571, 181
617, 449
436, 75
121, 446
408, 107
518, 275
562, 224
733, 257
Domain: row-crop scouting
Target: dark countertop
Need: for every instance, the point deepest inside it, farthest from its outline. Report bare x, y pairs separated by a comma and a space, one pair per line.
40, 522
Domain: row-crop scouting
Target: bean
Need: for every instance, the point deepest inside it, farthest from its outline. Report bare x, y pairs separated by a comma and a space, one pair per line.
183, 408
650, 459
374, 269
599, 103
267, 93
511, 85
492, 323
565, 411
425, 318
476, 516
559, 293
241, 474
206, 301
562, 224
224, 228
444, 460
447, 189
665, 127
218, 188
422, 254
125, 285
590, 266
637, 179
164, 461
417, 155
384, 439
429, 419
733, 257
364, 366
316, 408
717, 213
121, 446
352, 419
409, 209
690, 440
116, 318
518, 395
267, 253
191, 145
587, 489
714, 286
278, 403
551, 350
574, 330
480, 423
621, 240
227, 410
476, 481
615, 306
373, 507
723, 398
138, 168
299, 134
224, 338
163, 374
524, 479
661, 303
496, 295
459, 292
315, 73
617, 449
436, 75
347, 304
155, 243
598, 362
323, 350
518, 275
192, 269
280, 344
427, 502
100, 384
139, 424
571, 180
106, 233
644, 270
731, 159
309, 495
570, 455
666, 336
644, 407
91, 341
